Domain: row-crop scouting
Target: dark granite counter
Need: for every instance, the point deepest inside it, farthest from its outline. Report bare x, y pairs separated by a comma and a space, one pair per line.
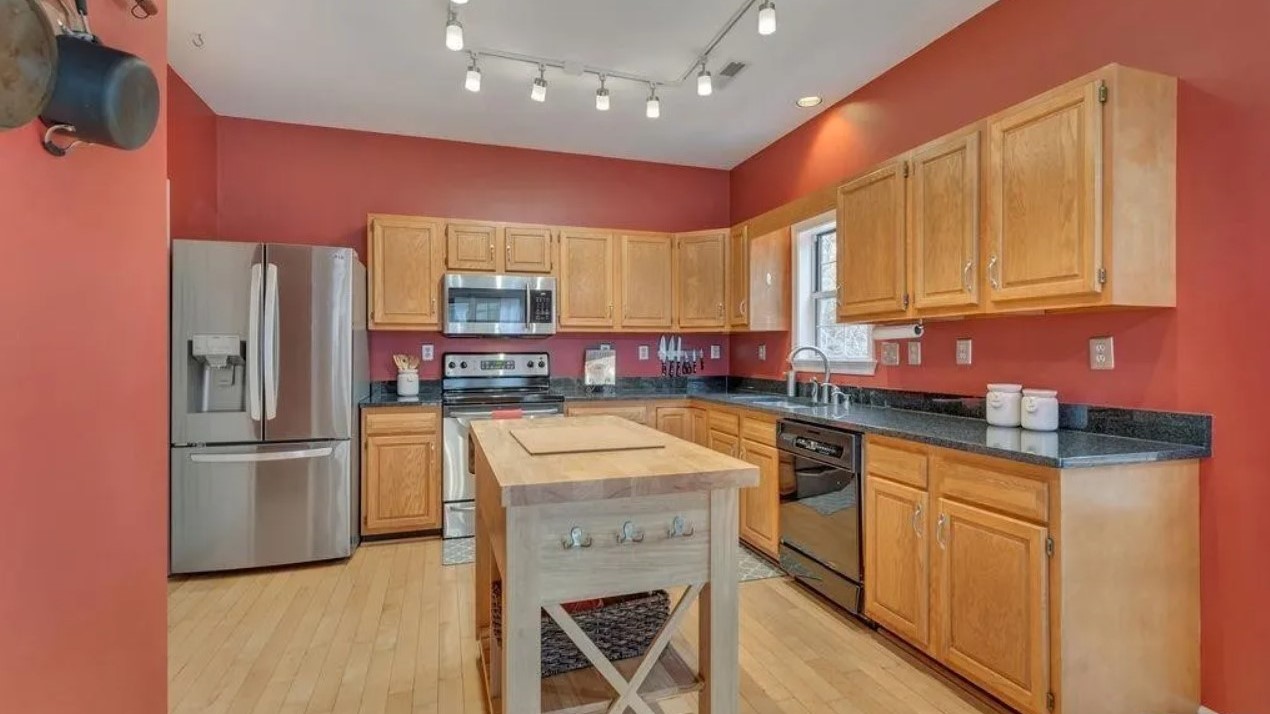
384, 394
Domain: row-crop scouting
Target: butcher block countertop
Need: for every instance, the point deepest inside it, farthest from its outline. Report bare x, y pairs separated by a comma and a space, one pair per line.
635, 461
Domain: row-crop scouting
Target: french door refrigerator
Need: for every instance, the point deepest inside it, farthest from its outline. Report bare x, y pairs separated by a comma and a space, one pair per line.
268, 366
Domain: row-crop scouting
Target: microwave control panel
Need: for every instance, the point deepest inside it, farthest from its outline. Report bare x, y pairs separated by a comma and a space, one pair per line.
541, 306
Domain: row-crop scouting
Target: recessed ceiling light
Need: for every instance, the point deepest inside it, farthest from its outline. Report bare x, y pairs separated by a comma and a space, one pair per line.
809, 102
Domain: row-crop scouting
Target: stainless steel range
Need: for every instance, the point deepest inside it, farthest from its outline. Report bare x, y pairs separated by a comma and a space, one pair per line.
492, 385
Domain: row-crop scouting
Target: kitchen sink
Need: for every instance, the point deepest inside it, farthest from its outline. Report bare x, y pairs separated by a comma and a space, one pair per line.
774, 401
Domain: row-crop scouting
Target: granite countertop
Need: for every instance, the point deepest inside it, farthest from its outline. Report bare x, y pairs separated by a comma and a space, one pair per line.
1066, 448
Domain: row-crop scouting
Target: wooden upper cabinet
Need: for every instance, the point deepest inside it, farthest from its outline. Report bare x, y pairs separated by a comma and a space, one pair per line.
943, 222
586, 278
993, 603
471, 246
701, 286
872, 273
647, 286
404, 266
527, 249
768, 305
896, 559
738, 287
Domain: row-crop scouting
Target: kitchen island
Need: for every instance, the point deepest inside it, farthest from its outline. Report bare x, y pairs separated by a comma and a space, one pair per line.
596, 507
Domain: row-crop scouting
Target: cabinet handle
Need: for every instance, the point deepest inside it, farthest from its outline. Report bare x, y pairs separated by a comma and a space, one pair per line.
917, 519
434, 305
743, 306
992, 272
507, 252
610, 312
491, 250
965, 275
939, 532
720, 309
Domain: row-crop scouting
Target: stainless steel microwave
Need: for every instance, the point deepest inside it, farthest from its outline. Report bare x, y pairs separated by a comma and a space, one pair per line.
512, 305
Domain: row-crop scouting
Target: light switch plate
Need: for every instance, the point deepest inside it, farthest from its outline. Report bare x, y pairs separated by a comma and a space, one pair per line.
426, 352
762, 352
963, 351
643, 352
914, 353
890, 353
716, 352
1102, 353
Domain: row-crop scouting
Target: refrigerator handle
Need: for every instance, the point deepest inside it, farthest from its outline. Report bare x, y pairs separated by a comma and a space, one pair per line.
255, 457
253, 345
271, 341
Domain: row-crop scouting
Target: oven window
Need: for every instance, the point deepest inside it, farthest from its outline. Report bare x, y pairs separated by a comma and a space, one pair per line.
489, 305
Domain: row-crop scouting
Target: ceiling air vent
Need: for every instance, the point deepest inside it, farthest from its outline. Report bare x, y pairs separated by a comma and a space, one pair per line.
732, 69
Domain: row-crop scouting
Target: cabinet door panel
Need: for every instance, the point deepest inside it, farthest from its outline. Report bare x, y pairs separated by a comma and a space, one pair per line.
944, 222
471, 246
404, 270
702, 287
586, 279
767, 306
897, 589
1045, 197
527, 249
738, 277
700, 426
723, 443
676, 421
993, 599
647, 286
402, 488
760, 504
872, 272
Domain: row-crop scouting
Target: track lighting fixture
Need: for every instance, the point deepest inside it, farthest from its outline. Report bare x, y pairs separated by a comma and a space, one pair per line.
602, 96
705, 87
767, 17
652, 109
454, 33
459, 2
539, 91
473, 81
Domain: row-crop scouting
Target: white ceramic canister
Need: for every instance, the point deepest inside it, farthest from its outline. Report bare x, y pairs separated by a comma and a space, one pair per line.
1040, 409
1003, 404
408, 383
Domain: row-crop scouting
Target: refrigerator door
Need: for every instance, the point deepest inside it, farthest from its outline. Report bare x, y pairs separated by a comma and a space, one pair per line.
217, 314
308, 343
258, 505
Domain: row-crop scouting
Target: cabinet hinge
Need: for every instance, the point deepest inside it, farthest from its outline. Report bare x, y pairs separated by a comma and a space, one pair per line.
1049, 701
906, 169
1102, 92
1049, 547
1102, 276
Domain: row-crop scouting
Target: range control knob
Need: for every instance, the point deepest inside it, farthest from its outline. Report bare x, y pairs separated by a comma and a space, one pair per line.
541, 364
530, 363
450, 365
462, 365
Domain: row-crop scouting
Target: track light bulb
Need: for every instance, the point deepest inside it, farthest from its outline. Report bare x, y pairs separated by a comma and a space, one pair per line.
652, 109
767, 18
602, 99
459, 2
454, 34
705, 87
539, 91
473, 81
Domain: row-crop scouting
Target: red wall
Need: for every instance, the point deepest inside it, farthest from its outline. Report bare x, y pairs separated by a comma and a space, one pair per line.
1207, 355
83, 432
192, 170
299, 184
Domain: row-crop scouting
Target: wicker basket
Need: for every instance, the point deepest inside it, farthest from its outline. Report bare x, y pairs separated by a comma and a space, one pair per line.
622, 627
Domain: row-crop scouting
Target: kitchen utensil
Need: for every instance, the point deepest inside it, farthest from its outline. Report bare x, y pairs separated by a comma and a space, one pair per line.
1040, 409
1003, 404
27, 75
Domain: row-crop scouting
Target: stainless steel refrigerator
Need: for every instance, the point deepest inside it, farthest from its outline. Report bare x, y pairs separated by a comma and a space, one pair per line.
268, 365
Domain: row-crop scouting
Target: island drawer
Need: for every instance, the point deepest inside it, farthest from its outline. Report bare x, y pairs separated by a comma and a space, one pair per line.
607, 566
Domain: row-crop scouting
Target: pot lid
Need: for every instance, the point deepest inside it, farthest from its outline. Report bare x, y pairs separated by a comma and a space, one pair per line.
28, 61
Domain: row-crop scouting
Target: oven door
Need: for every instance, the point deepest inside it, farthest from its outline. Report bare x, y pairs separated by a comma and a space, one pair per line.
515, 305
820, 513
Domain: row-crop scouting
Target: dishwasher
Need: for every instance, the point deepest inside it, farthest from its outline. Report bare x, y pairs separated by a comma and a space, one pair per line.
820, 523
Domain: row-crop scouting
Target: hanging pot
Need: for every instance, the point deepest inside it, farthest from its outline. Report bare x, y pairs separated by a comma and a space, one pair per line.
109, 97
28, 61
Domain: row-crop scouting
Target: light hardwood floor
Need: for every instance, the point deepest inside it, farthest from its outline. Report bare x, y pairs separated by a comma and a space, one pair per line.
390, 631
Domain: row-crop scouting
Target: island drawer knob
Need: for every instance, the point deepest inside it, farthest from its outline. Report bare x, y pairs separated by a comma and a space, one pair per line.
679, 528
577, 538
630, 534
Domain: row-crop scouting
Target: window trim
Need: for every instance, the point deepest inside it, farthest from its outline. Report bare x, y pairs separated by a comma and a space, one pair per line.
806, 261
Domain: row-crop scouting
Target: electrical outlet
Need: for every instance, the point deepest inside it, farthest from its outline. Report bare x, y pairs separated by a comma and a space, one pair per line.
643, 352
963, 351
762, 352
914, 353
1102, 353
426, 353
716, 352
890, 353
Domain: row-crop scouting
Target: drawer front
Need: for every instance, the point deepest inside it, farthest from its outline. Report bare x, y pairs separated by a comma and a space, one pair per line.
726, 422
637, 414
607, 567
759, 429
396, 420
896, 461
982, 484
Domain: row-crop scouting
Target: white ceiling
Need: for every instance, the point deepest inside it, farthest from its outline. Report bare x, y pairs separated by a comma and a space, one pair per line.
381, 65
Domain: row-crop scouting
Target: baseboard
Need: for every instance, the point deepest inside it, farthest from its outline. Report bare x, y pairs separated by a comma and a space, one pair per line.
1206, 710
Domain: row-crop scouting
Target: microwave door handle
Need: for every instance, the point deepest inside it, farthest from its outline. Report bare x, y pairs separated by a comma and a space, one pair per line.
529, 311
253, 344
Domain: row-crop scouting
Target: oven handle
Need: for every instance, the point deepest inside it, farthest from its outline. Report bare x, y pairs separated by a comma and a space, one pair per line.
466, 418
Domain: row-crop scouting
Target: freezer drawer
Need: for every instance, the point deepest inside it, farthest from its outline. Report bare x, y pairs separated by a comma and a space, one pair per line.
259, 505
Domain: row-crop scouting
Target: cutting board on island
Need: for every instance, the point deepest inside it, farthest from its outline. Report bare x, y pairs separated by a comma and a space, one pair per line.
562, 437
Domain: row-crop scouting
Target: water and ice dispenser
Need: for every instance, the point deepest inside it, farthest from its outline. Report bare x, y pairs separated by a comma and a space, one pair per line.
217, 373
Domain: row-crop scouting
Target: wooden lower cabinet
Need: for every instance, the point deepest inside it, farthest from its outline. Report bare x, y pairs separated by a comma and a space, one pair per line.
896, 559
401, 471
760, 522
700, 425
676, 421
723, 443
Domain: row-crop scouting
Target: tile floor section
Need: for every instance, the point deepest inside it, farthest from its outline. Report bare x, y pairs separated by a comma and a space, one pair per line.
460, 551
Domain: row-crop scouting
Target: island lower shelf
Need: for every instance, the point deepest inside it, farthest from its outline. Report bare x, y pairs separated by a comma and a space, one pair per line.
585, 691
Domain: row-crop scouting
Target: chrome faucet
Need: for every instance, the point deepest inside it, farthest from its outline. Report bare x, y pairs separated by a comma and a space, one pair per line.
791, 383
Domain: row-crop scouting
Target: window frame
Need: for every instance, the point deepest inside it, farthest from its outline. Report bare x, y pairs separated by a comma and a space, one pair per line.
806, 262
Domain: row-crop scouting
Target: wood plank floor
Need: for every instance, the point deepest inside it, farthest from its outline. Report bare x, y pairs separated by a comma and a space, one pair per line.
390, 631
